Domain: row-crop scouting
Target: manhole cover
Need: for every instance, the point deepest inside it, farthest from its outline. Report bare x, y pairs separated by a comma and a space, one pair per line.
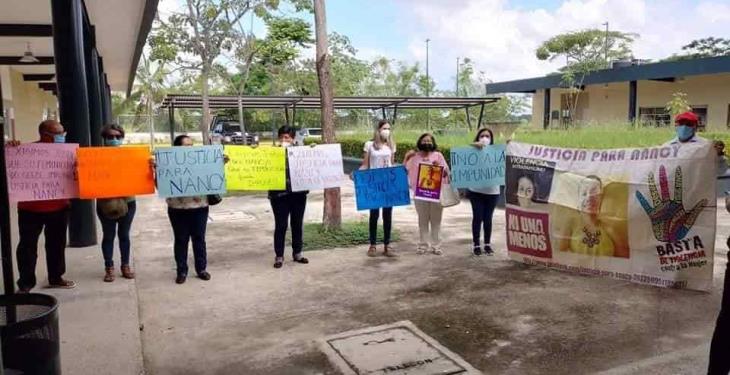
226, 216
398, 348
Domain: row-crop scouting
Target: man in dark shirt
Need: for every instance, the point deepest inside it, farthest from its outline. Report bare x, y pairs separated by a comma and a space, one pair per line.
49, 217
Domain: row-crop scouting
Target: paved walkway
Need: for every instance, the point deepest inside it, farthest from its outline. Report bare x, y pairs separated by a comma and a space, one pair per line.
500, 316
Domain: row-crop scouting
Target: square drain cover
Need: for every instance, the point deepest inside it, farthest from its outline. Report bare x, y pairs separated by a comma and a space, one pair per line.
399, 348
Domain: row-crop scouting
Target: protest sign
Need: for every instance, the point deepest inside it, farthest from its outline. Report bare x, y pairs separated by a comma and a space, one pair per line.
41, 171
315, 168
428, 185
477, 168
260, 168
587, 211
189, 171
111, 172
381, 187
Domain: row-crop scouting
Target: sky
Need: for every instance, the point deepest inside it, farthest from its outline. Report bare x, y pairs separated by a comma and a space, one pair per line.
501, 36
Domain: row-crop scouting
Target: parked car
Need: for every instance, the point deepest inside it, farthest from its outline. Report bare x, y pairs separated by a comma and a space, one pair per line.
311, 133
228, 132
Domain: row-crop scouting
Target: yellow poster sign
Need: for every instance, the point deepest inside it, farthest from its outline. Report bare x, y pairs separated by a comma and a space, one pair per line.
260, 168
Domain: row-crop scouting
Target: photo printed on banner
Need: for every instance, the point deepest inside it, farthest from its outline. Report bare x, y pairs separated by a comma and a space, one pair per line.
528, 181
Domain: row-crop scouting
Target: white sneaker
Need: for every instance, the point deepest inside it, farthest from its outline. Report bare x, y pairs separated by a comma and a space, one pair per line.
437, 251
421, 250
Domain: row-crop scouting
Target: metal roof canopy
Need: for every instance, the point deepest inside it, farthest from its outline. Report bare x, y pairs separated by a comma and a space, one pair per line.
313, 102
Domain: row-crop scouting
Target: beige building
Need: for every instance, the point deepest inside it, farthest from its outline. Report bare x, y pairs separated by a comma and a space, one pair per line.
630, 92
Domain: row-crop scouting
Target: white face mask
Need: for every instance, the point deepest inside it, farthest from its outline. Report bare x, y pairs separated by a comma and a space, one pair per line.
385, 133
485, 141
285, 144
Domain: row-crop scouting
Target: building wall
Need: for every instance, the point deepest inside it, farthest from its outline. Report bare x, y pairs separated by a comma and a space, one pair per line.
609, 103
29, 104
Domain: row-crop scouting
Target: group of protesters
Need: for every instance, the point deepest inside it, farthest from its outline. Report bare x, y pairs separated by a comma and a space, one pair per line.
189, 215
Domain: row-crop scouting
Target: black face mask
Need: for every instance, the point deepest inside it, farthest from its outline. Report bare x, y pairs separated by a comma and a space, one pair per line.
426, 147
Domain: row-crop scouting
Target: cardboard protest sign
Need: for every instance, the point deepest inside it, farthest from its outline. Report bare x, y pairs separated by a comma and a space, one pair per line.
111, 172
477, 168
381, 187
260, 168
190, 171
315, 168
587, 211
428, 185
41, 171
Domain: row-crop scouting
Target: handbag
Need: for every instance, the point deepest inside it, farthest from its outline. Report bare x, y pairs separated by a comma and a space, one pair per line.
214, 199
449, 196
113, 208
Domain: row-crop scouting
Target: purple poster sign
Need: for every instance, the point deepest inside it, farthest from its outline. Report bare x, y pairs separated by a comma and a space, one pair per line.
428, 185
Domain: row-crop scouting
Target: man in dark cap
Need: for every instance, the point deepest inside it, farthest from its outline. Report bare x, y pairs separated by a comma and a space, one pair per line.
49, 217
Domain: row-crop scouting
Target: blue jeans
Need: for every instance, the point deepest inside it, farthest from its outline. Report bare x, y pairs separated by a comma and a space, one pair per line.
116, 227
482, 209
189, 225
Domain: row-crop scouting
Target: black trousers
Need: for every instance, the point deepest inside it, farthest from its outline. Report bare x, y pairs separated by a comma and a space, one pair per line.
288, 208
720, 347
187, 225
387, 225
30, 225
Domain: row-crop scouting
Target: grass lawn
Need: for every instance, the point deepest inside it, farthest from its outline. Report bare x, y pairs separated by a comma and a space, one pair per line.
351, 234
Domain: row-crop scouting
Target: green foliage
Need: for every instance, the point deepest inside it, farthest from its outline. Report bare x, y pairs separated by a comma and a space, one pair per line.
700, 48
317, 237
587, 50
678, 104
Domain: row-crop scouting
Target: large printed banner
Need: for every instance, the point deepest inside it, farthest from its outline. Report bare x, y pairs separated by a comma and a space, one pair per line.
189, 171
41, 171
260, 168
477, 168
315, 168
641, 215
381, 187
110, 172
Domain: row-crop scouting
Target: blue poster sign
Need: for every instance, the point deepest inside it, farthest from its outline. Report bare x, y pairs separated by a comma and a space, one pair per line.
477, 168
186, 171
381, 187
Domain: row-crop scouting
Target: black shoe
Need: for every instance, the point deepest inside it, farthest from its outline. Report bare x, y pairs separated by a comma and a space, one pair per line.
180, 279
488, 250
204, 275
301, 260
278, 262
23, 290
477, 250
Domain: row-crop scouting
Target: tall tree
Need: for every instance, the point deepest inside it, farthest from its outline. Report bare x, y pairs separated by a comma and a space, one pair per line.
705, 47
193, 38
584, 51
332, 215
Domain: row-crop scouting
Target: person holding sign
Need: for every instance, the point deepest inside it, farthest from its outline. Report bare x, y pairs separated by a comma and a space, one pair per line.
426, 169
288, 206
483, 201
50, 217
380, 153
116, 216
189, 218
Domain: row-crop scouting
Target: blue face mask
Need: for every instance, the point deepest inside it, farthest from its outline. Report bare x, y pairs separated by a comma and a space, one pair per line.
113, 142
59, 138
684, 132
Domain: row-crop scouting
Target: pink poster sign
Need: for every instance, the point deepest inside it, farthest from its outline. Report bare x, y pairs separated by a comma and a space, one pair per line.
41, 171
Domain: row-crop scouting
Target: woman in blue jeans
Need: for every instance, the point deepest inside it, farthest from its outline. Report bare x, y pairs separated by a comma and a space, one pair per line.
483, 201
189, 219
113, 136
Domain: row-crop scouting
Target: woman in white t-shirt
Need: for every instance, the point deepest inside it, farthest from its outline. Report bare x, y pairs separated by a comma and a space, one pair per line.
483, 201
380, 153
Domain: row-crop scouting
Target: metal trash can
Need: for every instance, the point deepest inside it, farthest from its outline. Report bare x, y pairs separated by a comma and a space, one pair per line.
29, 332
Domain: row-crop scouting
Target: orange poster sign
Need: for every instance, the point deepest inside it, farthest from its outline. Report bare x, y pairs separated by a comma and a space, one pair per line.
110, 172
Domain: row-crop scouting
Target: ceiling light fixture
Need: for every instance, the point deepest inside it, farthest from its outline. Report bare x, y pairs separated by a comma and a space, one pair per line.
28, 57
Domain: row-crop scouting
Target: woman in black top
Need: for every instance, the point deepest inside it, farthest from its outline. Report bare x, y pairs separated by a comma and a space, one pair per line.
288, 206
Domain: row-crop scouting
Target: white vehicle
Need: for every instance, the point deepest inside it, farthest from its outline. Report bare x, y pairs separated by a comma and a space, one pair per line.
311, 133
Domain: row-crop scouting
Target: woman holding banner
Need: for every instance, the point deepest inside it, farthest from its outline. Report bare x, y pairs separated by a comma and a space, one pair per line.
189, 218
483, 201
288, 206
380, 153
116, 216
427, 168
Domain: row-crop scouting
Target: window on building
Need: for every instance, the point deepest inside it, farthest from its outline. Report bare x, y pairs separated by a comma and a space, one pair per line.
701, 112
728, 115
654, 116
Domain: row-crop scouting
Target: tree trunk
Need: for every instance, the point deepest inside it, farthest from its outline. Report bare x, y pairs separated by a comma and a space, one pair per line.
205, 119
332, 216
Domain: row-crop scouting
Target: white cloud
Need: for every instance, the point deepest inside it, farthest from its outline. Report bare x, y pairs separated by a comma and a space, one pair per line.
501, 38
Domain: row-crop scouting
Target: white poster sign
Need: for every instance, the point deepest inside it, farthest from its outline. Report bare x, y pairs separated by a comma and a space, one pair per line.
315, 168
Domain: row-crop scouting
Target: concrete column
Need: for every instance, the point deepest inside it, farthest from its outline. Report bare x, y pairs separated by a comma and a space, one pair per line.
546, 110
633, 87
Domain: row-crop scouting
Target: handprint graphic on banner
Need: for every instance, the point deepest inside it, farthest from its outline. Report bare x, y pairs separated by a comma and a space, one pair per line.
670, 221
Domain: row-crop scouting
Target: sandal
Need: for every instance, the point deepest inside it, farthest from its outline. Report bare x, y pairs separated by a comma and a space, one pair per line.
389, 252
372, 251
108, 274
127, 272
437, 252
